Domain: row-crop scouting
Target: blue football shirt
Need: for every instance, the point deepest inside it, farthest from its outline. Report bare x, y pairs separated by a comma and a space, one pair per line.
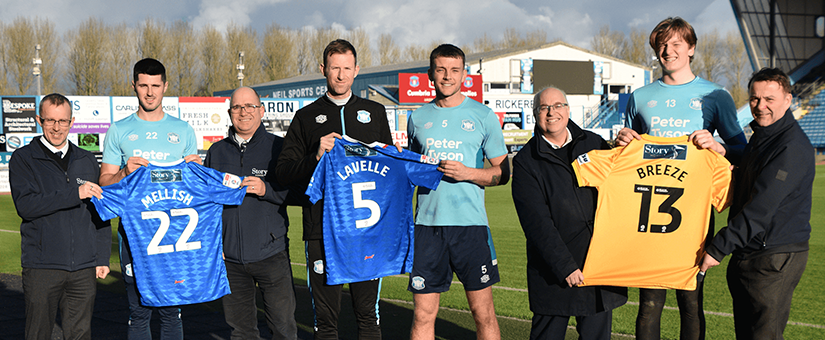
368, 220
171, 213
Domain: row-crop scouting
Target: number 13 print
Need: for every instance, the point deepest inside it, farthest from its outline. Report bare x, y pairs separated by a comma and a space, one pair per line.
666, 208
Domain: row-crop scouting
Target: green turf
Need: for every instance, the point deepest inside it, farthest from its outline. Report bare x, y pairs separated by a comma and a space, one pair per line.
808, 305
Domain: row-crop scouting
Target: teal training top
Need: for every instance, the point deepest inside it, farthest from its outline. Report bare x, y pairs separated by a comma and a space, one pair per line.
467, 133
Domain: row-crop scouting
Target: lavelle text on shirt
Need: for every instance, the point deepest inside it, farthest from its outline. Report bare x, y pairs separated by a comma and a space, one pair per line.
363, 165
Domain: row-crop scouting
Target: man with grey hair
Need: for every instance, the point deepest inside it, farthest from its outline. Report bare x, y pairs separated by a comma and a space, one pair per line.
557, 217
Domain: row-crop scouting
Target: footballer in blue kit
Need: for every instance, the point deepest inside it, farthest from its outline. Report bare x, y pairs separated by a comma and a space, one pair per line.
171, 213
368, 223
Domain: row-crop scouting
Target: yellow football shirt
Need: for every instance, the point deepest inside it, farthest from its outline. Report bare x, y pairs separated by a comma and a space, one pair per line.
655, 196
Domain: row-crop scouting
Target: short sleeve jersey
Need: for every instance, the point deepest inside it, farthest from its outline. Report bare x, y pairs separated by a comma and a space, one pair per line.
171, 213
368, 220
467, 133
166, 140
663, 110
654, 205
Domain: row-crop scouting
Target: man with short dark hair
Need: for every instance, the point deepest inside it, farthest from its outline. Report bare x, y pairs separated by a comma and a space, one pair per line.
312, 133
147, 135
769, 221
65, 245
557, 217
254, 233
451, 228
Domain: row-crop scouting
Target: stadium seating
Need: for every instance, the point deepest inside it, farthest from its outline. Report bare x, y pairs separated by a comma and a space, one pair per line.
813, 123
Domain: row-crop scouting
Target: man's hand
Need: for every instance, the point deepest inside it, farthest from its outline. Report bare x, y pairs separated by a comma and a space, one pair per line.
626, 135
327, 142
254, 185
703, 139
133, 163
708, 262
193, 158
398, 146
575, 278
456, 170
89, 189
101, 272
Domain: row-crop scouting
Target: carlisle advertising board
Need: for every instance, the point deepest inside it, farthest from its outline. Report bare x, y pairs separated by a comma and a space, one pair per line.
416, 88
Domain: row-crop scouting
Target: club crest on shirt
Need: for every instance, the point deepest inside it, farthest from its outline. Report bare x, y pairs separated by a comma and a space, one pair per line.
468, 125
651, 103
655, 151
696, 103
417, 283
321, 119
363, 116
166, 176
173, 138
318, 267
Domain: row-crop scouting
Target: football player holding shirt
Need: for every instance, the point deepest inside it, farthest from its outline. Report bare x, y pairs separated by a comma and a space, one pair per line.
461, 133
148, 135
680, 103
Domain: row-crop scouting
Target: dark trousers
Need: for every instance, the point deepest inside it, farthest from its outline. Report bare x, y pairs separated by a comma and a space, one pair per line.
551, 327
762, 289
326, 299
691, 313
171, 327
46, 290
273, 276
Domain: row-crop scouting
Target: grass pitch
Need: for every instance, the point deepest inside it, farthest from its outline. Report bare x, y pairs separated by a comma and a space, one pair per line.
807, 320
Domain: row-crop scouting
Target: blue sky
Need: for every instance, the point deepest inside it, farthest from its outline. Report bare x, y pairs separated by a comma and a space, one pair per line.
415, 21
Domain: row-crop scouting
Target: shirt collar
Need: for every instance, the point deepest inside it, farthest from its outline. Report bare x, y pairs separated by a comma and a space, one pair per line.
53, 149
554, 145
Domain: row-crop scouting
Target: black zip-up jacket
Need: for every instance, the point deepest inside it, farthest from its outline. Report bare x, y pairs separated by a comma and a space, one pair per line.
256, 229
59, 230
771, 209
364, 120
557, 217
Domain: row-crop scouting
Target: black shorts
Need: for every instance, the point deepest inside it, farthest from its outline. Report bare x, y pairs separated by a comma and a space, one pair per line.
439, 251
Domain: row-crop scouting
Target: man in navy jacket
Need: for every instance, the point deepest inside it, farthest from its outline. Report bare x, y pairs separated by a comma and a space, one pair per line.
769, 220
557, 218
65, 245
254, 233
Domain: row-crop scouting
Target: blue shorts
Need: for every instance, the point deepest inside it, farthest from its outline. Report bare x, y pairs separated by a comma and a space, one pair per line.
439, 251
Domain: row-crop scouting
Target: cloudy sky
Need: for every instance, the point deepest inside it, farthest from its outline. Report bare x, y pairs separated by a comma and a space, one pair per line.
409, 21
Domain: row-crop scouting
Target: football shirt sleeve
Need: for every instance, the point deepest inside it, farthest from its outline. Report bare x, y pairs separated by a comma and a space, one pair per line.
315, 189
720, 189
111, 148
222, 188
111, 203
592, 168
493, 144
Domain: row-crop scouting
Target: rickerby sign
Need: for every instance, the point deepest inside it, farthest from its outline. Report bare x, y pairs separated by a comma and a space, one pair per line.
416, 88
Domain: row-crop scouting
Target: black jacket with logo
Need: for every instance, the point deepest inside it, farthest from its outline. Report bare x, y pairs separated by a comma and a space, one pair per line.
59, 230
363, 119
256, 229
